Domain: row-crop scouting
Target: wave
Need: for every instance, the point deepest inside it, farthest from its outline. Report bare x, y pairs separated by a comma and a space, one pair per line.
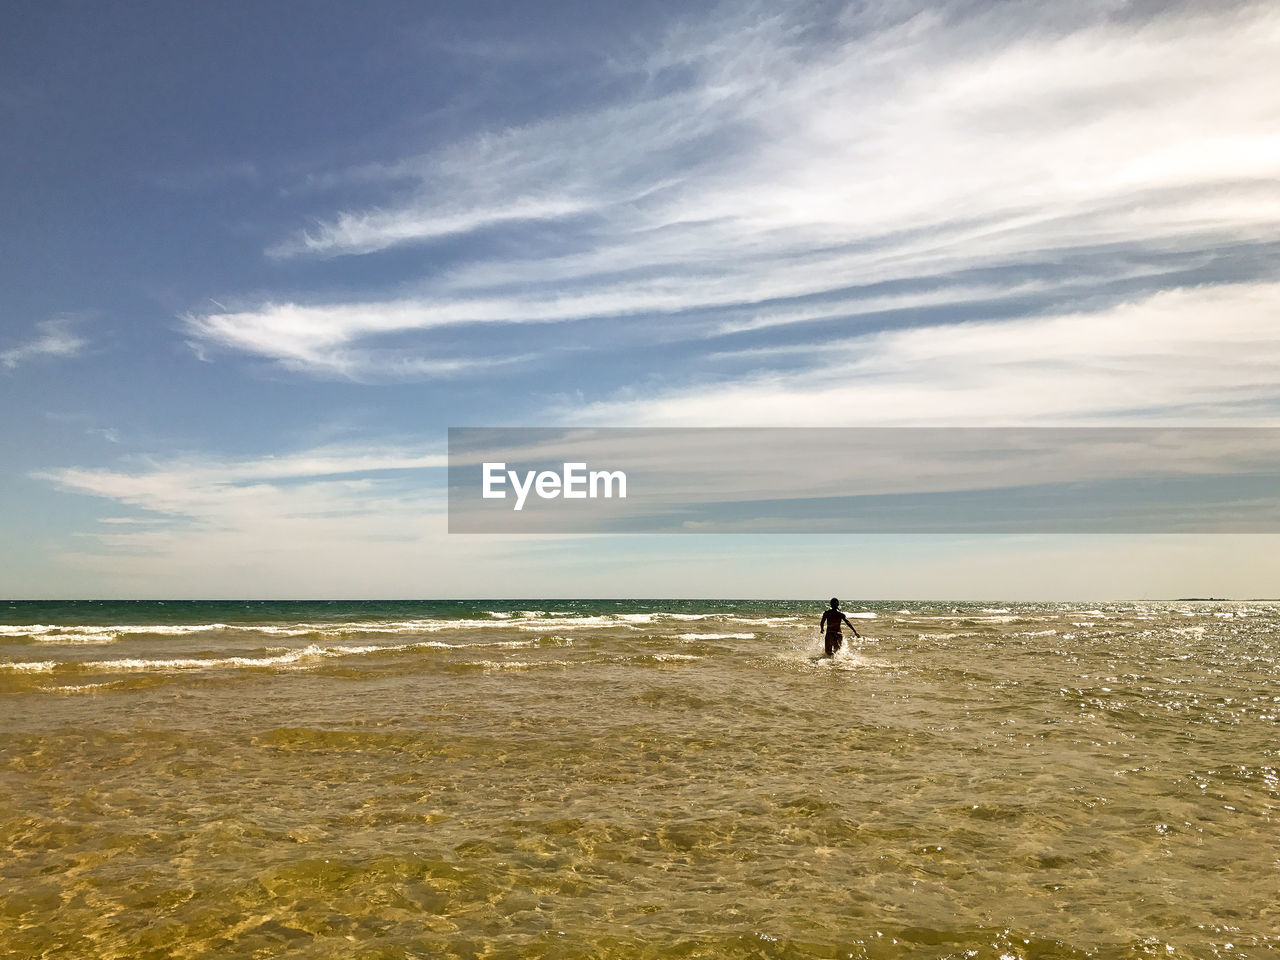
62, 633
276, 657
494, 620
505, 665
82, 687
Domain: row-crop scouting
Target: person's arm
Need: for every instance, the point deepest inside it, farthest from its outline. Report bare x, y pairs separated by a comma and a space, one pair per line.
851, 626
822, 624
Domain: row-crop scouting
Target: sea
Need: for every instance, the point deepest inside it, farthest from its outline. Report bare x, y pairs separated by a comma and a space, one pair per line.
638, 778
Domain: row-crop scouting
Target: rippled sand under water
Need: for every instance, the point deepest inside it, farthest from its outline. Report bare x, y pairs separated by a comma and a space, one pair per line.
640, 780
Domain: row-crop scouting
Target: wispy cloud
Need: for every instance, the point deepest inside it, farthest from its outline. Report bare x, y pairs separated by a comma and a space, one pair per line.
329, 521
368, 232
753, 159
334, 523
55, 337
320, 340
198, 488
983, 122
219, 524
1196, 356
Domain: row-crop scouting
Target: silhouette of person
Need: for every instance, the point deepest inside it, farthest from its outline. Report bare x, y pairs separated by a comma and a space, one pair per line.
830, 627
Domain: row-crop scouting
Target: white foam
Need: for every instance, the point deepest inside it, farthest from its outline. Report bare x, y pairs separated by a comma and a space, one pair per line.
581, 623
56, 633
60, 633
277, 656
492, 619
518, 664
717, 636
204, 663
81, 687
42, 666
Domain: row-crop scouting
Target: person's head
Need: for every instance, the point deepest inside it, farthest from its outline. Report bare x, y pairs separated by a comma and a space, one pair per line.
835, 603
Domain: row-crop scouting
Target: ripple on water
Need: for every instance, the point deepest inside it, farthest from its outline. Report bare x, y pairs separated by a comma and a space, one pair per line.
1014, 781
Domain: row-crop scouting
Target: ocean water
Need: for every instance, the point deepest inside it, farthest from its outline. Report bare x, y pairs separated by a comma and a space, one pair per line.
579, 779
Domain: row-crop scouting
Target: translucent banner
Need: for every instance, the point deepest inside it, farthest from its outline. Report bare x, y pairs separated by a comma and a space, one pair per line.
864, 480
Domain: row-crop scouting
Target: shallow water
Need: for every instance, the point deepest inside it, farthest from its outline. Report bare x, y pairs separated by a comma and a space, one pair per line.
647, 779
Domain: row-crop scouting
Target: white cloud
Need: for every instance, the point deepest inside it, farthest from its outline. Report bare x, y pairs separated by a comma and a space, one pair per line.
343, 538
365, 523
1199, 355
312, 482
301, 522
367, 232
318, 339
897, 146
54, 338
329, 522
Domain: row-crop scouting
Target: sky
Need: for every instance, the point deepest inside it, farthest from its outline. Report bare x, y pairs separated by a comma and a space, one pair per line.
258, 258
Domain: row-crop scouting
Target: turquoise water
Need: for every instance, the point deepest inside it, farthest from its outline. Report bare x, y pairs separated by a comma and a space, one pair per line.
637, 778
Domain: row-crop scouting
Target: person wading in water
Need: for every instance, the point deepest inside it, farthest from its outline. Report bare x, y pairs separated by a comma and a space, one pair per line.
830, 626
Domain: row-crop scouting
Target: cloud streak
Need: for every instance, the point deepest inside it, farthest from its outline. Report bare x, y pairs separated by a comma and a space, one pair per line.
332, 522
54, 338
321, 340
305, 521
754, 159
1195, 356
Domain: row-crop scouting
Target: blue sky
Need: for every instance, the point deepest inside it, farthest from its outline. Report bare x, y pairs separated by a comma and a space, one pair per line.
258, 257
